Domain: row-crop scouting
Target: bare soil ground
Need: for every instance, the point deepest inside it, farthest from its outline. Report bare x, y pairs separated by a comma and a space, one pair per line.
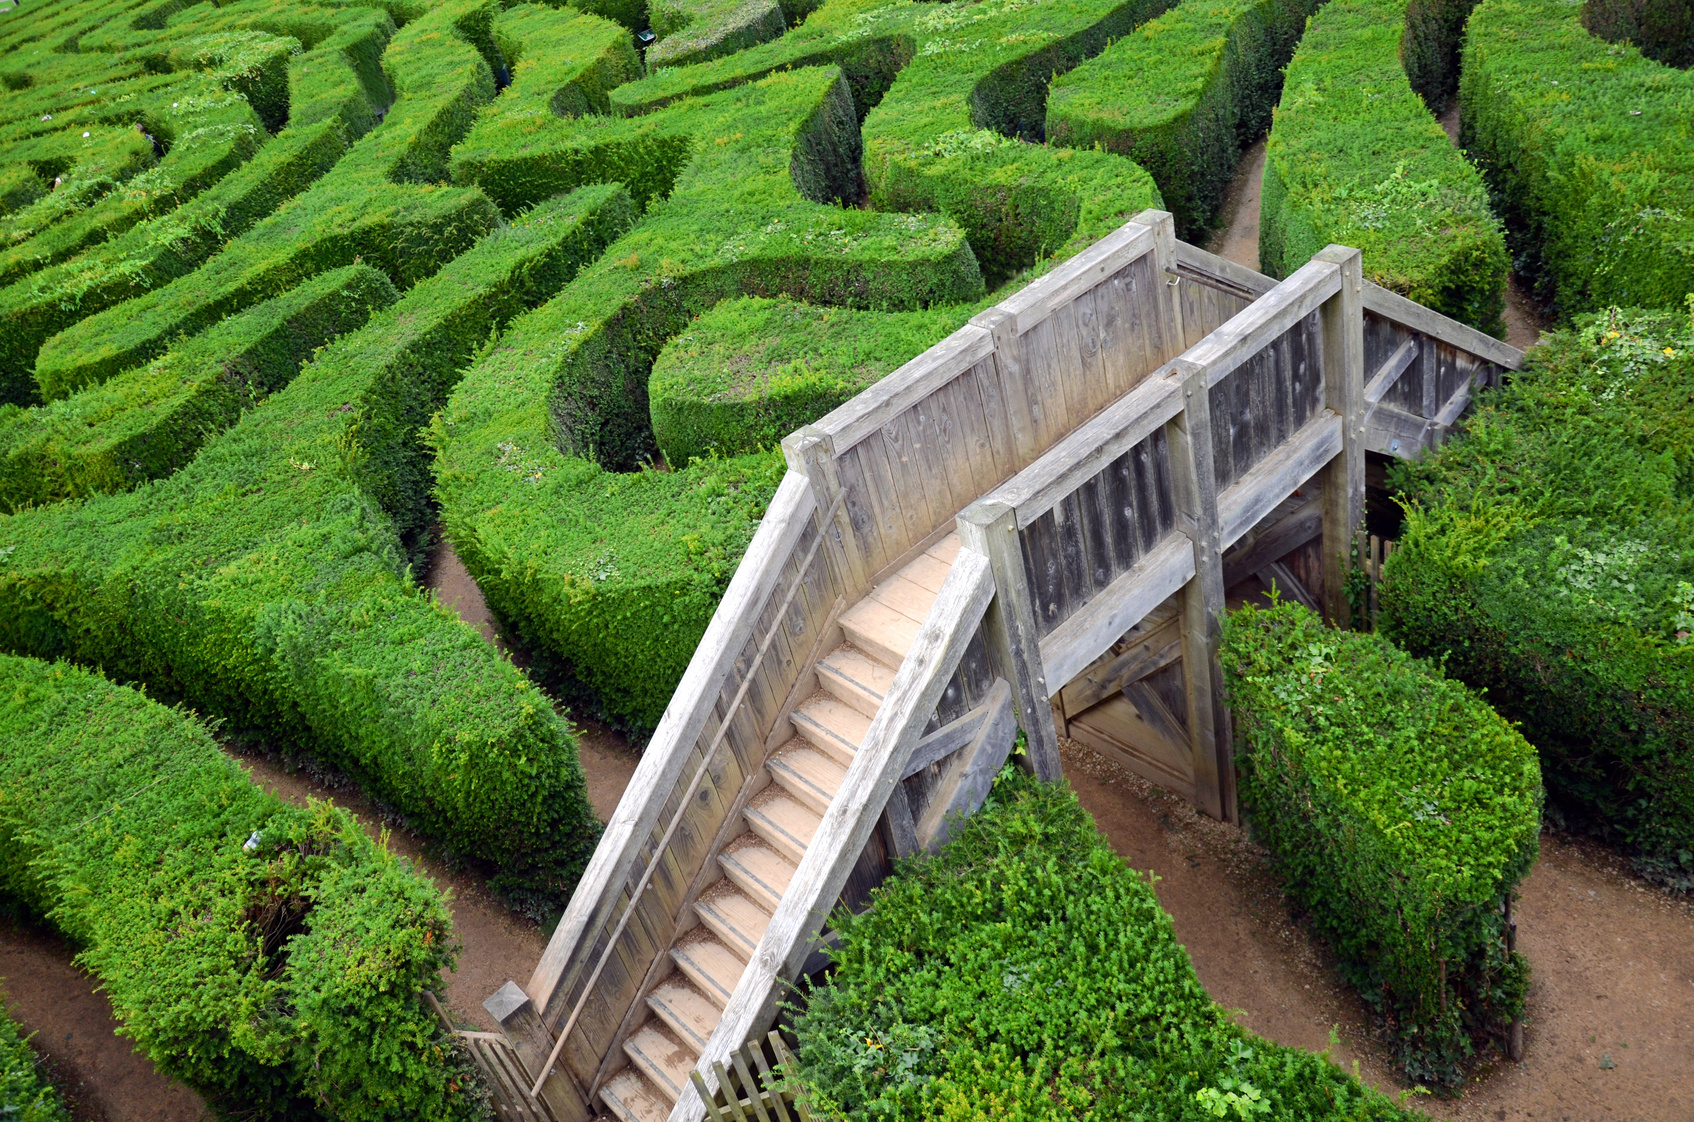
1613, 961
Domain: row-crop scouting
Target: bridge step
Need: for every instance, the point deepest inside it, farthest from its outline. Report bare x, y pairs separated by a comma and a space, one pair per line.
683, 1010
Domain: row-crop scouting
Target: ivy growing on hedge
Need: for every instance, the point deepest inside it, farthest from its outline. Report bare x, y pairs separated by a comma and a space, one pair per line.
269, 956
1400, 810
1545, 557
1586, 151
1026, 972
1356, 158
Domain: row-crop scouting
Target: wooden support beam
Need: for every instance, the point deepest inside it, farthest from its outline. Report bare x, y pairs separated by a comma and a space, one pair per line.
1194, 481
1014, 644
1221, 273
1394, 432
970, 773
1156, 649
521, 1026
1398, 363
1002, 328
946, 740
1102, 621
1407, 313
811, 452
1287, 534
1265, 320
1271, 480
1344, 393
1163, 225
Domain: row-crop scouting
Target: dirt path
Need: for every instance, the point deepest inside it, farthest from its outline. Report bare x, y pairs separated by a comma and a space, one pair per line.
1237, 236
1613, 962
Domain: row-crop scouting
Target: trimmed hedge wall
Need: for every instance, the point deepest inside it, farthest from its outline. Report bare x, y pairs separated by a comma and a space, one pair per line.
1026, 972
24, 1094
271, 957
615, 574
751, 371
1586, 151
1356, 158
697, 30
1400, 811
148, 422
1545, 558
1663, 30
1182, 95
267, 582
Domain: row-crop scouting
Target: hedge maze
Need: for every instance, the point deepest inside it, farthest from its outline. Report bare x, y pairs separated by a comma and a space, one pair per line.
284, 288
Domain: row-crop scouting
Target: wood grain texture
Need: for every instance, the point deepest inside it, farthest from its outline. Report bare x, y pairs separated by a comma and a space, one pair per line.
1392, 305
1344, 394
1069, 649
968, 775
1256, 494
1266, 318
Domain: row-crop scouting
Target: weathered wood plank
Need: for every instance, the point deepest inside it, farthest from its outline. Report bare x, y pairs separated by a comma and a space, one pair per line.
1012, 382
1222, 273
1398, 363
1255, 494
1087, 633
1266, 318
1344, 393
1155, 648
875, 406
1289, 533
1045, 295
967, 777
1393, 306
1394, 433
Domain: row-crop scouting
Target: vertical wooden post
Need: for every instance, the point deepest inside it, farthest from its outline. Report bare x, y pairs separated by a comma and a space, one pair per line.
1021, 411
1014, 643
1189, 435
1344, 393
810, 453
1171, 332
521, 1025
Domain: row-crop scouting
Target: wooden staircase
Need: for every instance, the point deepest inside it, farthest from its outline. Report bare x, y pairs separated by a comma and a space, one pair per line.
801, 778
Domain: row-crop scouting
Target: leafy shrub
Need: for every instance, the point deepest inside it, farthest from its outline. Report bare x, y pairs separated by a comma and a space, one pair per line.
1025, 972
272, 957
1400, 810
1355, 157
696, 30
267, 581
1545, 557
1663, 30
24, 1094
1586, 153
1181, 95
148, 422
751, 371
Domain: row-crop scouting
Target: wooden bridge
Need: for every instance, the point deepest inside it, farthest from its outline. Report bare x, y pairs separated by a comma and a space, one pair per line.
1036, 523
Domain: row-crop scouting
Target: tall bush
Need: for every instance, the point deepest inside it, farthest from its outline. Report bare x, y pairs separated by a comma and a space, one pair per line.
1027, 973
1546, 558
1401, 811
270, 956
25, 1096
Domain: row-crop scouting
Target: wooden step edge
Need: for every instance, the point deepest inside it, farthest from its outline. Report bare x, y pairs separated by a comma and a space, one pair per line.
649, 1047
694, 968
827, 740
665, 1004
722, 924
805, 790
632, 1097
774, 834
839, 683
750, 880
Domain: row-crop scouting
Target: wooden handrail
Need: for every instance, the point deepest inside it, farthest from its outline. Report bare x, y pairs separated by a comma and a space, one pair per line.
676, 820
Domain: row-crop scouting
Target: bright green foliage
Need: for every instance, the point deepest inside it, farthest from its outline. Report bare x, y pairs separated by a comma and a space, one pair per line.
951, 134
1545, 557
336, 92
270, 956
616, 576
1400, 810
697, 30
751, 371
1027, 973
1586, 149
1355, 158
1181, 95
359, 210
267, 582
148, 422
24, 1094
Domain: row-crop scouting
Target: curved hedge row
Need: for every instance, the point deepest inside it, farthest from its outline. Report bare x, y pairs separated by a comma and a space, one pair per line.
1182, 95
1356, 158
1545, 558
23, 1092
1401, 811
269, 956
1586, 150
1026, 972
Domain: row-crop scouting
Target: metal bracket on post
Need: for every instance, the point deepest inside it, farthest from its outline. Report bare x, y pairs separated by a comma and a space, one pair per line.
1189, 436
1014, 643
1344, 393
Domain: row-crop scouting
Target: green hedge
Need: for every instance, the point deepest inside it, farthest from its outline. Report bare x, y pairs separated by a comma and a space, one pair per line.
267, 582
24, 1093
373, 206
1586, 150
951, 134
269, 956
1356, 158
1026, 972
1400, 810
614, 574
337, 93
697, 30
1663, 30
1182, 95
751, 371
148, 422
1545, 557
